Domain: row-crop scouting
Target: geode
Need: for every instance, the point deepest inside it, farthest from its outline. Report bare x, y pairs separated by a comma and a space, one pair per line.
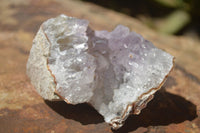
116, 72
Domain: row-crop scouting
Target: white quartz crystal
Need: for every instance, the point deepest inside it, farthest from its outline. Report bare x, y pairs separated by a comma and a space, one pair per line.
116, 72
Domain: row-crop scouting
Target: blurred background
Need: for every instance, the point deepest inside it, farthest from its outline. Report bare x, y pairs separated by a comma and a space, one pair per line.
177, 17
175, 109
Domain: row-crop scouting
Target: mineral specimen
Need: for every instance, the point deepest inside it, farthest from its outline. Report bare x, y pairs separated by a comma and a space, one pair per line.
116, 72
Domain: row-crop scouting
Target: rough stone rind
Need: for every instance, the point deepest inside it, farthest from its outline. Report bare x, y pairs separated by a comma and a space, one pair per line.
37, 69
112, 58
136, 107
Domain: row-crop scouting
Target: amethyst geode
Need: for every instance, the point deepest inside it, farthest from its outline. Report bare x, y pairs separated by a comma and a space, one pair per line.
116, 72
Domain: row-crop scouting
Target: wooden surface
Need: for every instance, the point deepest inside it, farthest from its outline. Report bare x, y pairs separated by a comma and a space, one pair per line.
175, 108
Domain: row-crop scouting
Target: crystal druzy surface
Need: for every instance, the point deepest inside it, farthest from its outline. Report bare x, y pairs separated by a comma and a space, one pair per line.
116, 72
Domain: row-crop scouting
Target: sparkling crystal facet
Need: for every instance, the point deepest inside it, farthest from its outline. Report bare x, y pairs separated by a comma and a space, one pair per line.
115, 72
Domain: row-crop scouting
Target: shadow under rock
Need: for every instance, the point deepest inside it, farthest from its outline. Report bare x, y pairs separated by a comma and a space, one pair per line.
83, 113
164, 109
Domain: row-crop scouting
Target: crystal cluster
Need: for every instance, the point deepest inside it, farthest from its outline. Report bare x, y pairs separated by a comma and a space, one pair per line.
116, 72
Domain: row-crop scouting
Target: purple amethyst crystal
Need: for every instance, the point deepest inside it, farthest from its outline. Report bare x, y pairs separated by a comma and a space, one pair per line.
116, 72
